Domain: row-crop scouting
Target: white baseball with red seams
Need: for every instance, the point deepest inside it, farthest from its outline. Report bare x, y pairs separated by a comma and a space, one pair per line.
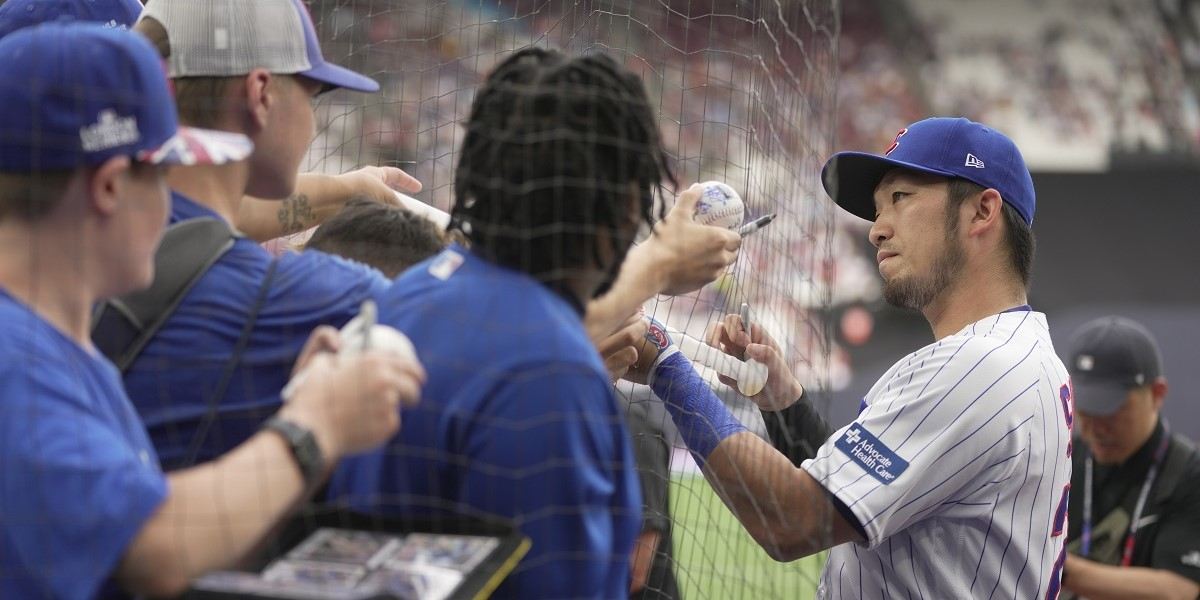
720, 206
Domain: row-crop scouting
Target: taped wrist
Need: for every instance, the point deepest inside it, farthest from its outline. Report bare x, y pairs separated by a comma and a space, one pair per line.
702, 419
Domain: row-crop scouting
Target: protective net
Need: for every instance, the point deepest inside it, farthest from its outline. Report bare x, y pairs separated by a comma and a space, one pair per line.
743, 93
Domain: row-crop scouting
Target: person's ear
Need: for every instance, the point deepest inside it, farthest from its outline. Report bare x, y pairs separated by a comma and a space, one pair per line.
1158, 392
986, 212
105, 184
261, 93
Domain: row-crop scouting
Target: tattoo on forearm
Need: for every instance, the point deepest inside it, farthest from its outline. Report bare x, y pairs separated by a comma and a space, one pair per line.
296, 214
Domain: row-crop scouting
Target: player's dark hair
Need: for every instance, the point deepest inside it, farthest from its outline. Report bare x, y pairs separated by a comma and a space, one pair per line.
388, 238
558, 149
197, 99
1018, 236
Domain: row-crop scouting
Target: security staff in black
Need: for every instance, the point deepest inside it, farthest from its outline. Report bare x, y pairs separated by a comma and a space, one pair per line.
1134, 509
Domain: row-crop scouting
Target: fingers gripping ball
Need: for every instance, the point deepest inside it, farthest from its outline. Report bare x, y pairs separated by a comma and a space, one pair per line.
358, 336
720, 206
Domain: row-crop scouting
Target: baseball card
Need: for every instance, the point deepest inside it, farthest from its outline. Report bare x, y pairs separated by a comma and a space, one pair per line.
362, 548
306, 574
415, 582
459, 552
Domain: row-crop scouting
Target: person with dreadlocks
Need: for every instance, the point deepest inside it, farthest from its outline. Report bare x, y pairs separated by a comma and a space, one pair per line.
519, 421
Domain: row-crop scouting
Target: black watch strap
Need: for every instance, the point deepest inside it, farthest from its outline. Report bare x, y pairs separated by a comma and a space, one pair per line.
304, 448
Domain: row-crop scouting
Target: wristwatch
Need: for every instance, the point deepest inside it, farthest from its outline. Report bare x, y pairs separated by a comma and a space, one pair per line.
304, 448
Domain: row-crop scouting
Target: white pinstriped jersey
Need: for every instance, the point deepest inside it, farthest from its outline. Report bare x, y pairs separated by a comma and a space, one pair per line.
957, 468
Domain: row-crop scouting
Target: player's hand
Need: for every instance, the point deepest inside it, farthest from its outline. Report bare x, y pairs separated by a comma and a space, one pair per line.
620, 350
654, 343
352, 403
687, 255
729, 336
379, 184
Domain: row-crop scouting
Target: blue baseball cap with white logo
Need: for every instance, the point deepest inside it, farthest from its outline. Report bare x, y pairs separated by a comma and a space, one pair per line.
77, 94
948, 147
19, 14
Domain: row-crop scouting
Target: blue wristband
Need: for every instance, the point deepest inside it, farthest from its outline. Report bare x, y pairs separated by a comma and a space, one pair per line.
700, 416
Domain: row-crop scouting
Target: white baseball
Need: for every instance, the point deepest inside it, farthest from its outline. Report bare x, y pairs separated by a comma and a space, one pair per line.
720, 206
382, 337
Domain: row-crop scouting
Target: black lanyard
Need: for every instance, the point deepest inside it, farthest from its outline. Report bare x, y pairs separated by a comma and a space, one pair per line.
1143, 495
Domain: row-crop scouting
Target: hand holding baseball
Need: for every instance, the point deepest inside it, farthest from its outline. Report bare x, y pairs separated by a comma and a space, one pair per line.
687, 253
782, 389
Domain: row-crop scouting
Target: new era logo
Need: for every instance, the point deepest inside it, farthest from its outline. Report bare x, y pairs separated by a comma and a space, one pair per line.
973, 161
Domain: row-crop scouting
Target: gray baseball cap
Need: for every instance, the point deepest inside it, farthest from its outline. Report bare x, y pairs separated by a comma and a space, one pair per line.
223, 38
1109, 357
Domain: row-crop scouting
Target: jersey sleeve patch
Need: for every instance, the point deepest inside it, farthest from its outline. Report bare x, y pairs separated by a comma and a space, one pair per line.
864, 449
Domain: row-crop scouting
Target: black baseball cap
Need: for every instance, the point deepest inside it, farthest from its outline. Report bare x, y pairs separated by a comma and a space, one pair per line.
1109, 357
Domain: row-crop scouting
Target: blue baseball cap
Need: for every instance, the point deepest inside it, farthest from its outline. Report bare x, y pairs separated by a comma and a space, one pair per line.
228, 38
19, 14
76, 94
949, 147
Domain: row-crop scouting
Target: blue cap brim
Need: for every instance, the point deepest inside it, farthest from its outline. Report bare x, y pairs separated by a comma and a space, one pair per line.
850, 178
341, 77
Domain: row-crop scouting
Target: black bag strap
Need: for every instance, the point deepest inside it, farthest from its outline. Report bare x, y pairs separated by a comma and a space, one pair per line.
1176, 467
235, 358
121, 327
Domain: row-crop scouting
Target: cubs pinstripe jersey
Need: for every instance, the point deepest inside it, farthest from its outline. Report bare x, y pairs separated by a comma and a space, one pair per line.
958, 469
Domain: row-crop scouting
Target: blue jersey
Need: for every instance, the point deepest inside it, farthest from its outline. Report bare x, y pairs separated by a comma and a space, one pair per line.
172, 381
517, 420
79, 477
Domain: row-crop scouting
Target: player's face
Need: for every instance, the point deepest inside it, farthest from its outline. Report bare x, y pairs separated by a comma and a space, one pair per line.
137, 226
1114, 438
289, 130
919, 253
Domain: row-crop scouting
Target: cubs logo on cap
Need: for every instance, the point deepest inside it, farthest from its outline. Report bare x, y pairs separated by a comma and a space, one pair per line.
946, 147
77, 94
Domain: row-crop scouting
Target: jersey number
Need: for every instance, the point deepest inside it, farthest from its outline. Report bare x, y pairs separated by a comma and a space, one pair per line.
1067, 398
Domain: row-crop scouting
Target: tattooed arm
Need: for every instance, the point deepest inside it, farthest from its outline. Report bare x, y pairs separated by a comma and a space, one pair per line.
318, 197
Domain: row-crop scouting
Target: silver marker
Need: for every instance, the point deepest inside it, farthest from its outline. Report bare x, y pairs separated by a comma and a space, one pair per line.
756, 224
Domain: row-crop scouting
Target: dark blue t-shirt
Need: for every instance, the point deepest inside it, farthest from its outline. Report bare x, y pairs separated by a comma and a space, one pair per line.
517, 420
78, 477
172, 381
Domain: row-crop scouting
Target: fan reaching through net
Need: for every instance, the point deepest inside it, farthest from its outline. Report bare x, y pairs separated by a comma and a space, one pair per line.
743, 94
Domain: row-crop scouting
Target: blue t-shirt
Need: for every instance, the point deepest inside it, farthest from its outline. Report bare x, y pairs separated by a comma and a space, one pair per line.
172, 381
517, 420
78, 476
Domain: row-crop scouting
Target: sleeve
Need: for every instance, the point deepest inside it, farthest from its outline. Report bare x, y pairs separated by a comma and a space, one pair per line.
797, 431
935, 442
551, 451
653, 458
73, 488
1177, 545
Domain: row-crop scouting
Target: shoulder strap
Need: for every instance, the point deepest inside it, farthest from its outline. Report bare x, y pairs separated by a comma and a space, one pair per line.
1179, 458
231, 365
121, 327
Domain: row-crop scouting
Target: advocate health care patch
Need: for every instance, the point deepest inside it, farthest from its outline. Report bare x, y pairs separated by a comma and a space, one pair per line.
871, 454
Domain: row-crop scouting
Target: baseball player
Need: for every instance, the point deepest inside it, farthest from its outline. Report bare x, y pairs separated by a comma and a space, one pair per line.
86, 135
952, 481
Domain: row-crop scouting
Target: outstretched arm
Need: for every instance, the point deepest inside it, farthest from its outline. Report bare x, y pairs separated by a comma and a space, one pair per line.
681, 256
318, 197
781, 506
